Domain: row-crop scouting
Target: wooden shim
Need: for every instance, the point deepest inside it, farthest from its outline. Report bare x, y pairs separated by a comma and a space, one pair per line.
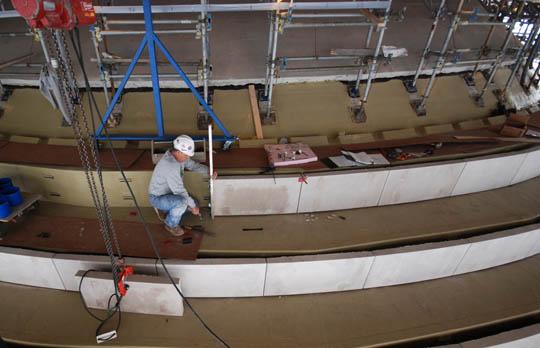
514, 140
255, 112
371, 17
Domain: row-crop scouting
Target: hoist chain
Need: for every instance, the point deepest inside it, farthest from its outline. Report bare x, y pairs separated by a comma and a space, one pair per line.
87, 146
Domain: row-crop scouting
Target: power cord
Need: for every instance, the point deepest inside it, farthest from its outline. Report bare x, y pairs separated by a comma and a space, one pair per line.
78, 53
111, 311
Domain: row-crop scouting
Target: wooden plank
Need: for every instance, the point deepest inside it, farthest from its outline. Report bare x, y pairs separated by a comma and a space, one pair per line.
372, 18
515, 140
255, 112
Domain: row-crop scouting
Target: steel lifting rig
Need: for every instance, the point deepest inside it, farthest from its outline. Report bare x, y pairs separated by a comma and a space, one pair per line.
51, 18
151, 41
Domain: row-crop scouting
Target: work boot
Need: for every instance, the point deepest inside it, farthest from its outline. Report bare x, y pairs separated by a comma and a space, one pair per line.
175, 231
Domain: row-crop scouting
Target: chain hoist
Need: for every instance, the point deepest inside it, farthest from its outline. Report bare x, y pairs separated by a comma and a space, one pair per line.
86, 144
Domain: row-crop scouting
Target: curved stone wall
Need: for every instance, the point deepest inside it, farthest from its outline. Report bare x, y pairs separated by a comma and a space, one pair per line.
263, 194
253, 277
260, 195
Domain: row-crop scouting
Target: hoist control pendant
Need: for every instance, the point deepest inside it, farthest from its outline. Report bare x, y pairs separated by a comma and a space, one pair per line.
56, 14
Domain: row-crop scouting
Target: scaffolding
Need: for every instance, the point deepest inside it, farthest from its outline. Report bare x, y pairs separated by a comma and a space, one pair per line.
281, 18
505, 15
290, 19
504, 20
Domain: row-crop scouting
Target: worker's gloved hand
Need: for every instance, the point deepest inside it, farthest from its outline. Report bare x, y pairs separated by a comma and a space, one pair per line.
214, 176
195, 210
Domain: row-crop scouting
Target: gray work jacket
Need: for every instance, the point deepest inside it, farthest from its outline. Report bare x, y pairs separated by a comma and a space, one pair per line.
168, 174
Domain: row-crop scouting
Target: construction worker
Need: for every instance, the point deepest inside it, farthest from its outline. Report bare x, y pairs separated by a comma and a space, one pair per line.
166, 190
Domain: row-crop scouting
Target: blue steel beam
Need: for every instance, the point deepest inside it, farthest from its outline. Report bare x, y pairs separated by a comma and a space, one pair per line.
149, 28
184, 77
150, 41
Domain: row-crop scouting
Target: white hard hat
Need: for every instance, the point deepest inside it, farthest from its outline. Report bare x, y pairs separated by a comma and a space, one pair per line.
185, 145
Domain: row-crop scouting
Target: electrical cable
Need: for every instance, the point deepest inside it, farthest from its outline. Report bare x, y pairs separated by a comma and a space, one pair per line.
110, 311
78, 53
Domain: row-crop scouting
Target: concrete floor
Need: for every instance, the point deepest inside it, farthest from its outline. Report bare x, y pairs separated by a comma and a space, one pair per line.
372, 317
302, 110
238, 45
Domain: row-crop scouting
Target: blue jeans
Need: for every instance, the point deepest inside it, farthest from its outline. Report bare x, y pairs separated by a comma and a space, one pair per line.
174, 205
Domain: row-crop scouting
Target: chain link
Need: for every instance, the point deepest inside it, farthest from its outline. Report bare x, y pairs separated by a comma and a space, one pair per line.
86, 144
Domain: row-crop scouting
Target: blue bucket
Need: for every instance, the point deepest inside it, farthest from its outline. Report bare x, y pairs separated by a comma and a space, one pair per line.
13, 195
5, 182
5, 209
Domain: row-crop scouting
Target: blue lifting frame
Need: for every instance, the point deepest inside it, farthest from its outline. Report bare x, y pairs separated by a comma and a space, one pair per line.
151, 40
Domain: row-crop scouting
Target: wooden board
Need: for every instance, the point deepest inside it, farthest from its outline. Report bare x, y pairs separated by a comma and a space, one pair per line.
57, 155
255, 112
514, 140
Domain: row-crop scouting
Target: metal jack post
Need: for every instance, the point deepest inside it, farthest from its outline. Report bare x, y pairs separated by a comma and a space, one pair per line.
501, 94
420, 105
358, 111
268, 115
479, 98
203, 119
410, 85
151, 41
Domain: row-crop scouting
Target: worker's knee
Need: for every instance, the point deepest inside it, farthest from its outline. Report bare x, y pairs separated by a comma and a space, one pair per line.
168, 202
179, 208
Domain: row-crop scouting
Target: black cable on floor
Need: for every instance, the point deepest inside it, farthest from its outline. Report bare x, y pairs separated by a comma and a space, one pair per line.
78, 52
110, 311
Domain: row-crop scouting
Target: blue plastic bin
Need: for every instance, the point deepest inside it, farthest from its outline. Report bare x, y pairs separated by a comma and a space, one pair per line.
13, 195
5, 208
5, 182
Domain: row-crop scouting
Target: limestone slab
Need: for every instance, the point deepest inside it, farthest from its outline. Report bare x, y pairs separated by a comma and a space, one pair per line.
28, 267
336, 191
256, 195
316, 274
315, 140
146, 294
420, 183
530, 168
496, 120
400, 134
219, 277
251, 143
414, 264
487, 174
62, 141
69, 264
24, 139
472, 124
439, 128
356, 138
499, 248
